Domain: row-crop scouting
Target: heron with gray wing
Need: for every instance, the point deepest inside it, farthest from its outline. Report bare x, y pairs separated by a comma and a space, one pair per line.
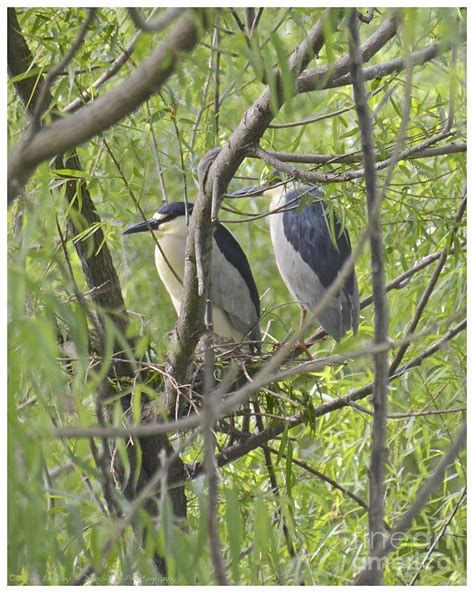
309, 256
234, 295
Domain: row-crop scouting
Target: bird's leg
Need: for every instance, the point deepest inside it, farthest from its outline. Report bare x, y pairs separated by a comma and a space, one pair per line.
301, 344
303, 314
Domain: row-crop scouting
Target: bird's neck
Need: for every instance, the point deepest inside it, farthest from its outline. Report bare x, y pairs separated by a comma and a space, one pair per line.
276, 195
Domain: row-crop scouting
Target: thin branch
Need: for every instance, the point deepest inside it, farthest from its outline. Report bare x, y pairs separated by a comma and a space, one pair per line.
256, 21
323, 178
323, 477
323, 76
148, 491
379, 400
419, 58
54, 72
216, 68
210, 466
273, 479
356, 157
438, 536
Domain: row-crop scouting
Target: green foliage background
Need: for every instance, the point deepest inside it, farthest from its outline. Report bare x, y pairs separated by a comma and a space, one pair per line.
57, 526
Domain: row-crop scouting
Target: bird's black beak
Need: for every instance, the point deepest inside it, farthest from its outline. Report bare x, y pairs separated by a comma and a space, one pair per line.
145, 225
253, 190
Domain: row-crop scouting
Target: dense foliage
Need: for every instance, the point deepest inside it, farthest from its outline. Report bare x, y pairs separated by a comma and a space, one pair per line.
280, 521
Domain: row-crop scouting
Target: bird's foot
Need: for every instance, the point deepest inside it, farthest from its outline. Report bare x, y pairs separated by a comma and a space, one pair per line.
302, 347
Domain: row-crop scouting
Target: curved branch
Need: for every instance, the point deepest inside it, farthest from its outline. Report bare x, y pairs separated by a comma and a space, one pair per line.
157, 24
419, 58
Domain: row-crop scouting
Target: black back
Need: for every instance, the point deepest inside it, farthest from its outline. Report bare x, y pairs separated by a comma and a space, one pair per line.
307, 229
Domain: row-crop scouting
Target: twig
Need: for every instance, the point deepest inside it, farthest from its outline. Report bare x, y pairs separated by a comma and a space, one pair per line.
438, 536
54, 72
135, 505
156, 152
139, 208
256, 21
402, 415
272, 477
323, 477
103, 461
210, 468
216, 67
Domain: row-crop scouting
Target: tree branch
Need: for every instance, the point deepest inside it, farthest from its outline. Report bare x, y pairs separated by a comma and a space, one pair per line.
379, 400
335, 159
323, 178
156, 25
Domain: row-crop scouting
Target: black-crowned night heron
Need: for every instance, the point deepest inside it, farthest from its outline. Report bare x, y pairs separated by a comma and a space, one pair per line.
308, 257
234, 295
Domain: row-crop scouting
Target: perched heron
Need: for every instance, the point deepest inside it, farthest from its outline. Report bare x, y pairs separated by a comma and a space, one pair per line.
308, 257
234, 295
